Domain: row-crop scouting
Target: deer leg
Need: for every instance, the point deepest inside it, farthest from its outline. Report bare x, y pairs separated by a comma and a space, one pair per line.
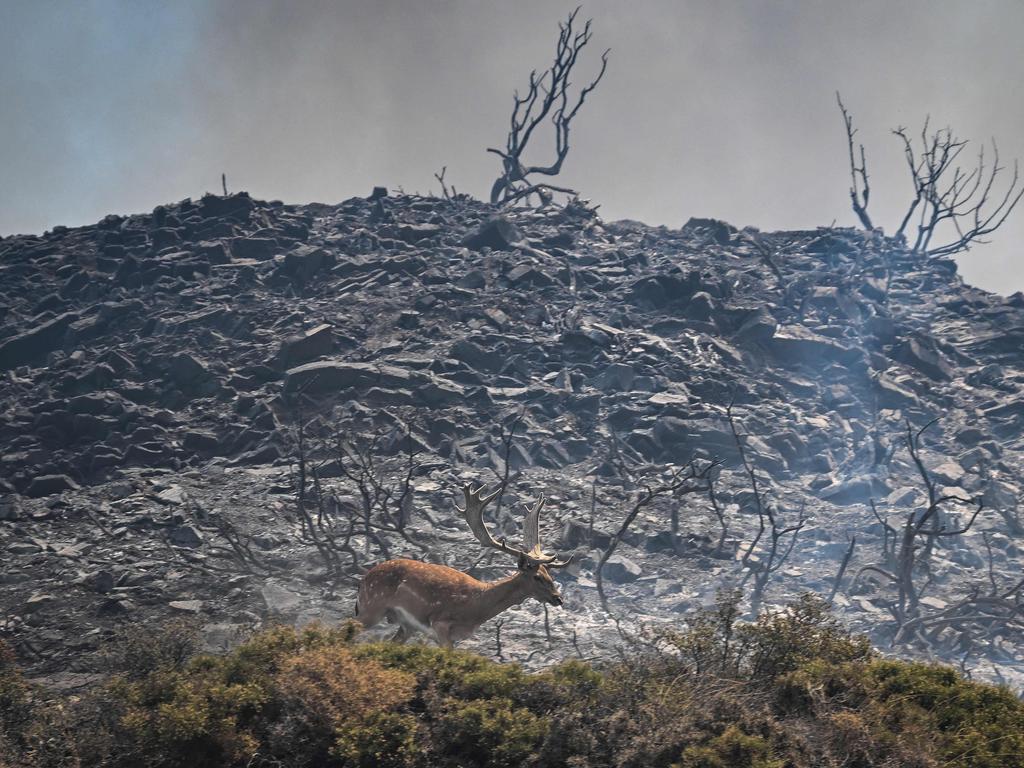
370, 618
443, 633
401, 635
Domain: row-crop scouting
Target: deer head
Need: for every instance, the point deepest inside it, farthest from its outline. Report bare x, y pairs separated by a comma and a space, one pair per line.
531, 561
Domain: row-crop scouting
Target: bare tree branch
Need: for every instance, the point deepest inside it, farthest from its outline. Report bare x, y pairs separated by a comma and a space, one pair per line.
860, 191
547, 98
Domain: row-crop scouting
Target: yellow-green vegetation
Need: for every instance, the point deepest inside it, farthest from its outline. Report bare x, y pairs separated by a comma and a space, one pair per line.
792, 689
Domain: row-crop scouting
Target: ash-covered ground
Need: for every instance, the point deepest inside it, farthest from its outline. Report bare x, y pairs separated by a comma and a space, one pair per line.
172, 383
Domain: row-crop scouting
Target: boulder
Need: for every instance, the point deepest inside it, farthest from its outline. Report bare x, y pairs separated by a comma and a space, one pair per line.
337, 376
923, 355
718, 231
413, 233
191, 607
303, 263
48, 485
799, 344
36, 342
498, 234
306, 346
619, 569
257, 248
10, 507
185, 536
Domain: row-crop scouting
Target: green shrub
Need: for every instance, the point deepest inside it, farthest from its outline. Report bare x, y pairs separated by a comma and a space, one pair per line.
792, 689
497, 733
731, 749
716, 642
296, 697
137, 650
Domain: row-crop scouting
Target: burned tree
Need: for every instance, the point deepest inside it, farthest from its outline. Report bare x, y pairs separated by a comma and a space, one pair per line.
919, 535
860, 189
962, 200
694, 477
777, 549
547, 98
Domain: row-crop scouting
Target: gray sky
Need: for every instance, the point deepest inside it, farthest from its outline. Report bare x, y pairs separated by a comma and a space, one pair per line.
709, 108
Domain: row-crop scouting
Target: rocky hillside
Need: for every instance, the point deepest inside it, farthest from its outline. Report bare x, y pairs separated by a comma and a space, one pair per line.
173, 383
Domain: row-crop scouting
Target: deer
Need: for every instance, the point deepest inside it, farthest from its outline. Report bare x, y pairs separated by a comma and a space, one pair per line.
447, 603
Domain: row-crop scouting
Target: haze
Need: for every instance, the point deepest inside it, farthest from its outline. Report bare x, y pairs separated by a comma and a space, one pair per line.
708, 108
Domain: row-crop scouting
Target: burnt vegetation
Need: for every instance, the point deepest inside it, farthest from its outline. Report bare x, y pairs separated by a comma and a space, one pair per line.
549, 98
954, 205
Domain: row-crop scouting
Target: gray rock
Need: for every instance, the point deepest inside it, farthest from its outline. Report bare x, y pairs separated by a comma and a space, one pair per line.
280, 599
797, 343
101, 581
201, 442
35, 343
685, 436
258, 248
306, 261
617, 377
334, 375
923, 355
185, 536
23, 548
619, 569
856, 490
476, 357
701, 306
719, 231
309, 345
577, 533
1001, 496
893, 395
413, 233
47, 485
189, 372
186, 606
472, 280
498, 234
10, 507
37, 601
525, 275
409, 319
116, 607
212, 251
759, 327
175, 495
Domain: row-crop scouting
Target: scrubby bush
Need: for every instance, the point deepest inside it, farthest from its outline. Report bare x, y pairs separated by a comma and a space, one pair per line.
140, 649
15, 707
792, 690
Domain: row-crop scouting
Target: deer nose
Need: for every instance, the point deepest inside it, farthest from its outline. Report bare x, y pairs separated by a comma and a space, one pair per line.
556, 599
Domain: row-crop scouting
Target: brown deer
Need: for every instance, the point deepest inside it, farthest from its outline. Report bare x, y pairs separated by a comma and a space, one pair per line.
450, 604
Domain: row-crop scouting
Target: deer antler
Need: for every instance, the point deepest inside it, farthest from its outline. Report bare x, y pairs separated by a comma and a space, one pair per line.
531, 530
473, 513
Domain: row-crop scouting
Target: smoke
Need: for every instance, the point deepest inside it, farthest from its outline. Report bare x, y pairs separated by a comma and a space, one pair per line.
708, 109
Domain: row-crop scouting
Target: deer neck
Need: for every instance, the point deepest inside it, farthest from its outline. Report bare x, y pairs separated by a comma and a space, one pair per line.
499, 596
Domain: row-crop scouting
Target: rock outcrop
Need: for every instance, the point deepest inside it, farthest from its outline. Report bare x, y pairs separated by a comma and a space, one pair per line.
155, 369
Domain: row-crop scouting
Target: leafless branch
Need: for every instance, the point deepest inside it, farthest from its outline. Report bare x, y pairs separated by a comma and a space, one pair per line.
946, 194
860, 191
547, 98
692, 478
